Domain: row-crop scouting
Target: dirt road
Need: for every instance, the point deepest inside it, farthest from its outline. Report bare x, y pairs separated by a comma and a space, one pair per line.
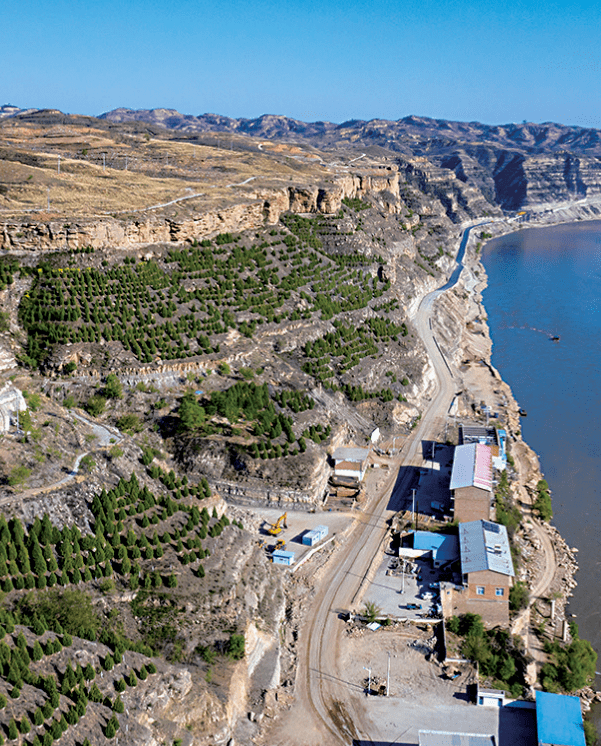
106, 437
324, 710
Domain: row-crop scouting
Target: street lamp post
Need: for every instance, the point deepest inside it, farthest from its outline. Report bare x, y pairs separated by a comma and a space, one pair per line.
368, 680
388, 677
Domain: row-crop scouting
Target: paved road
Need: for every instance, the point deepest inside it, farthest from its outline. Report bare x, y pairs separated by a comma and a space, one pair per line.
321, 695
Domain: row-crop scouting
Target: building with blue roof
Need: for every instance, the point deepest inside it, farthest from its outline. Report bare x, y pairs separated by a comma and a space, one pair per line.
444, 548
282, 557
559, 720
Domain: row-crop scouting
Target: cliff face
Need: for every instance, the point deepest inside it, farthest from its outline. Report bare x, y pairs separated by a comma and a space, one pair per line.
264, 206
514, 180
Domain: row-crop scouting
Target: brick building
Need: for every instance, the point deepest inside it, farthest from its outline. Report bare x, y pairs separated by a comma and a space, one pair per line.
487, 574
471, 482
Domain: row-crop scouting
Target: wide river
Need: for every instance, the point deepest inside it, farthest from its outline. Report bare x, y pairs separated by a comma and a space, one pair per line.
546, 282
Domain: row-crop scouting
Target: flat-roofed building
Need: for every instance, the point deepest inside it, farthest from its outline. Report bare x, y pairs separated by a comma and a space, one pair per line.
350, 463
443, 548
487, 574
559, 720
489, 436
471, 482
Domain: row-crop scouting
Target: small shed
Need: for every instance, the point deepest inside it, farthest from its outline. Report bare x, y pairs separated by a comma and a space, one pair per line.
491, 697
315, 535
444, 548
281, 557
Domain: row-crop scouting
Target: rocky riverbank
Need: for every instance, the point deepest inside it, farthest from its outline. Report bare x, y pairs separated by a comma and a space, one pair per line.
548, 564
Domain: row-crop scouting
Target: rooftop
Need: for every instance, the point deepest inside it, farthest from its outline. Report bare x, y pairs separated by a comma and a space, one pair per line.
559, 720
478, 434
445, 738
484, 545
444, 547
472, 467
346, 453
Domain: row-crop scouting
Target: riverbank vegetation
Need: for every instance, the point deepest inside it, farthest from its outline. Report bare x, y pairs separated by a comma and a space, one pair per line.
500, 655
542, 503
569, 667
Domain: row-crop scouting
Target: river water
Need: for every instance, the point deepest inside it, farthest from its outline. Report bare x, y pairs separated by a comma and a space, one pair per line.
547, 282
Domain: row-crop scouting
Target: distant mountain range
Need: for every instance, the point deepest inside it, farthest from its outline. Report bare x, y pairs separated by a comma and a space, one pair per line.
411, 135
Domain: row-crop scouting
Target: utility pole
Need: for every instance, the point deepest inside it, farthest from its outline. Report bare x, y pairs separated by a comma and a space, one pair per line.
126, 163
48, 200
369, 680
413, 508
103, 161
388, 678
58, 168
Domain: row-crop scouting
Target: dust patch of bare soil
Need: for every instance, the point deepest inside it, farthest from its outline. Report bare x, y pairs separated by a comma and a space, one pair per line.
415, 673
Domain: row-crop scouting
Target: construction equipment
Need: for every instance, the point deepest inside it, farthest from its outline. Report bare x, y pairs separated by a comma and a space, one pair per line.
280, 544
277, 527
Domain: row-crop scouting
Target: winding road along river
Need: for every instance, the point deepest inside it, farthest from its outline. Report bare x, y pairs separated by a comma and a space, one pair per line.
320, 686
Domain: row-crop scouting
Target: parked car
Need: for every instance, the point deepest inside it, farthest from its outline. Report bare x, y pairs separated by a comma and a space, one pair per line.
414, 607
434, 585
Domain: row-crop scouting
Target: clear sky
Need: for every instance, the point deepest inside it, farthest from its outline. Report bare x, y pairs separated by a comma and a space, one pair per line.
468, 60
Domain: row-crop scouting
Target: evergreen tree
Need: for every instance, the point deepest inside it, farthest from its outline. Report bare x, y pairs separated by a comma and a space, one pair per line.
37, 651
37, 558
13, 732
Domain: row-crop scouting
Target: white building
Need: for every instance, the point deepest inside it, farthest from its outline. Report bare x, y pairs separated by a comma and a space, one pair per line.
350, 462
11, 401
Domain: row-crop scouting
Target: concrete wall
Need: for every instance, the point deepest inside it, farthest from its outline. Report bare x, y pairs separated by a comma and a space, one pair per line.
472, 504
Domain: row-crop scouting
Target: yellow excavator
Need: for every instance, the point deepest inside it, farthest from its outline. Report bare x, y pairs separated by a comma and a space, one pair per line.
280, 544
277, 527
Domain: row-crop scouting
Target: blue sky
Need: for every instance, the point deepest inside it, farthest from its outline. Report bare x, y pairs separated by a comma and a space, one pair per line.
494, 62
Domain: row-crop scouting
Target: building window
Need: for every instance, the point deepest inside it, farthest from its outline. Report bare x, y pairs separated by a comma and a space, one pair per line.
499, 591
480, 590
